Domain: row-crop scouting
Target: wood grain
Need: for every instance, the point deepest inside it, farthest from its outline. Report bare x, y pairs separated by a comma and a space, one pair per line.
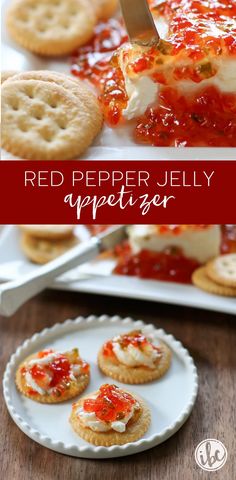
211, 339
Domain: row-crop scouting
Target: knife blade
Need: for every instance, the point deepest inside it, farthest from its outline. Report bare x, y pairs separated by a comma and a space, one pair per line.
139, 22
112, 237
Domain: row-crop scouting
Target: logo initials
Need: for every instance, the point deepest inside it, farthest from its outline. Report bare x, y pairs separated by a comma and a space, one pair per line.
211, 454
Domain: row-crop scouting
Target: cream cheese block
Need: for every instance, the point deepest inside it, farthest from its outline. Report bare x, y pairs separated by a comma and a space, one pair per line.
195, 241
142, 91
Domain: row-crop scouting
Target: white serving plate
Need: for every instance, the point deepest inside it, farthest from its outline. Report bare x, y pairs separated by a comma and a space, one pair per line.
170, 399
111, 144
96, 277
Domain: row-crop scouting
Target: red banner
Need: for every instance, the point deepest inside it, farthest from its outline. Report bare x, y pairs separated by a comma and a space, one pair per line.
91, 192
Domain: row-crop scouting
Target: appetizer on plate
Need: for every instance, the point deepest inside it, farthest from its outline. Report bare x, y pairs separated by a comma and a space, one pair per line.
167, 252
180, 92
52, 377
110, 416
134, 358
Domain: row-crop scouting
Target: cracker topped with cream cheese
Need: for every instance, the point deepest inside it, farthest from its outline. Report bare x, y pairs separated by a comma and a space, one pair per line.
134, 358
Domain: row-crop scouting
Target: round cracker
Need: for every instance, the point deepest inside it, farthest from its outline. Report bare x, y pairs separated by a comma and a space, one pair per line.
75, 86
51, 27
44, 121
134, 430
5, 75
201, 280
42, 251
76, 387
48, 232
105, 8
222, 270
135, 375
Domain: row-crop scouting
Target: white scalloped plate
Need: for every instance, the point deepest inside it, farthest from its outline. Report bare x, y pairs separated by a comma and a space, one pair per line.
170, 399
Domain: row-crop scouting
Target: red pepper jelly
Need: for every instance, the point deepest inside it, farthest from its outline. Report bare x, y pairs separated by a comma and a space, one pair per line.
56, 374
170, 265
92, 61
59, 369
228, 244
111, 404
135, 338
206, 118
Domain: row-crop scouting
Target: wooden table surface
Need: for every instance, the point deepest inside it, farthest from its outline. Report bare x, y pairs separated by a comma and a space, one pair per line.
210, 338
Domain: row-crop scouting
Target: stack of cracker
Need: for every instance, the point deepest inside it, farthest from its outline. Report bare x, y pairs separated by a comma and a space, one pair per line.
43, 243
218, 276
